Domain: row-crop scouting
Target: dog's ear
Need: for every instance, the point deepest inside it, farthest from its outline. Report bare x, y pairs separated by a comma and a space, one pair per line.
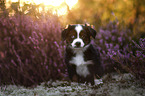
91, 30
64, 32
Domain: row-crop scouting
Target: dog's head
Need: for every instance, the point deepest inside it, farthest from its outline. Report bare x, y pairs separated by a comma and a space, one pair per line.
78, 36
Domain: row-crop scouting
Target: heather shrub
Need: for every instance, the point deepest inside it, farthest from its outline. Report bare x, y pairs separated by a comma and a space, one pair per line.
138, 58
118, 50
133, 61
30, 50
111, 40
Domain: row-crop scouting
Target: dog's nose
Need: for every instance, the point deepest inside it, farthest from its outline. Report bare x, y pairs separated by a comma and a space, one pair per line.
78, 44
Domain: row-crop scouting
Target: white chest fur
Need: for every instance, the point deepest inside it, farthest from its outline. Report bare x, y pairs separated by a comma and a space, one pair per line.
81, 65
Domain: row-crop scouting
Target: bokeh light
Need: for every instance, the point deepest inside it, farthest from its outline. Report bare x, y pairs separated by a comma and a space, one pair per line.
59, 7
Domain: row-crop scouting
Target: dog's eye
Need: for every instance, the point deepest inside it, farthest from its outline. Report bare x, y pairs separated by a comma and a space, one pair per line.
73, 36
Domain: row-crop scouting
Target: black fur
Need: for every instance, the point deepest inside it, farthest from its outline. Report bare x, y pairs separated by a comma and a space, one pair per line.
95, 69
91, 30
65, 32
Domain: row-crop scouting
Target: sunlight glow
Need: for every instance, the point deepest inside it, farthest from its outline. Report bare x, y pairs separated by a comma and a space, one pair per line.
49, 2
71, 3
59, 6
60, 11
14, 0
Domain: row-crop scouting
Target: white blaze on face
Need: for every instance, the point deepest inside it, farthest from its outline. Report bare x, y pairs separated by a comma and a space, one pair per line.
78, 29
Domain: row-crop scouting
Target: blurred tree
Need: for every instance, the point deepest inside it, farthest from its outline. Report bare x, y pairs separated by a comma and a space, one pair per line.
15, 7
32, 10
100, 12
96, 12
3, 10
139, 18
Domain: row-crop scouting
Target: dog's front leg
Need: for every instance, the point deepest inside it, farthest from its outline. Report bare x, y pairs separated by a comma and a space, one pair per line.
72, 72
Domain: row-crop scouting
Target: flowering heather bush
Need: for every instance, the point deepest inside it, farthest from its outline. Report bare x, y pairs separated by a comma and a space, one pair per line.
112, 40
119, 51
138, 59
30, 50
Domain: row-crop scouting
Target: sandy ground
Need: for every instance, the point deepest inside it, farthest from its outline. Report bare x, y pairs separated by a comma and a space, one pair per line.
111, 85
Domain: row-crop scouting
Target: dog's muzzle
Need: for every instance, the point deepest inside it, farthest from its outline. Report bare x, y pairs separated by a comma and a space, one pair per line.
77, 43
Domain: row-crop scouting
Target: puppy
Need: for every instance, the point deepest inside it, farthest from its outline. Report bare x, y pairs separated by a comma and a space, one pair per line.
81, 58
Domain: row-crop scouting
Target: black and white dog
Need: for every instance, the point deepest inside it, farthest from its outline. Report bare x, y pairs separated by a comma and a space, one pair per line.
81, 58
